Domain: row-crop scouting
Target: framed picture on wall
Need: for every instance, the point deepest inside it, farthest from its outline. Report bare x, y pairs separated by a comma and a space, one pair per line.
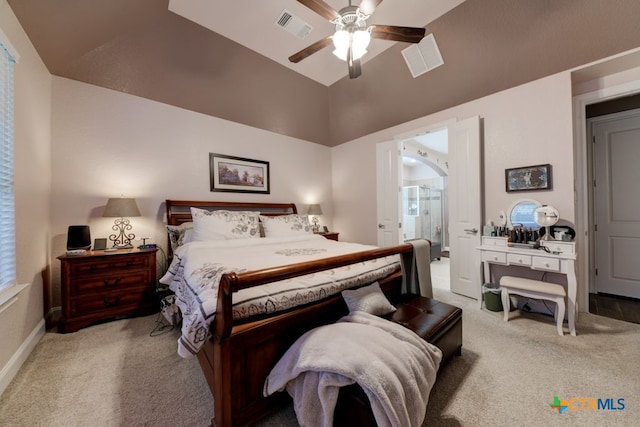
528, 178
237, 174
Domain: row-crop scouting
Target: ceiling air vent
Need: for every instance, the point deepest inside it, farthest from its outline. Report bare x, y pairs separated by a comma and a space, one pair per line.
293, 24
423, 56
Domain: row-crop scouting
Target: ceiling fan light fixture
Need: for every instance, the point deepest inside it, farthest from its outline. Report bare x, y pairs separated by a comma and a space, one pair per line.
358, 40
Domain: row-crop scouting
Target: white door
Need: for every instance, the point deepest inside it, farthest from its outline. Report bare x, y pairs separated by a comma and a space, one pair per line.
465, 207
388, 189
617, 204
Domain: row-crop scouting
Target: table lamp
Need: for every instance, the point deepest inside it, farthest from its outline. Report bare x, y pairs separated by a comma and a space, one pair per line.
315, 210
120, 208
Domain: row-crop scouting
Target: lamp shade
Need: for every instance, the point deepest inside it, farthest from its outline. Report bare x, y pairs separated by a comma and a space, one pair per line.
358, 40
314, 209
121, 207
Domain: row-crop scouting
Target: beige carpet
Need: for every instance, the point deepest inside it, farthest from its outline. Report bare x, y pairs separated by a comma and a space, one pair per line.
115, 374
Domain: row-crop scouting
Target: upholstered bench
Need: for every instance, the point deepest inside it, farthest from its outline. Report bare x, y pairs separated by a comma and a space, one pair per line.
534, 289
436, 322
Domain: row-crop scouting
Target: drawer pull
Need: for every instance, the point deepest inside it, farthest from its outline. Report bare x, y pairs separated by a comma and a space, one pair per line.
546, 264
111, 303
495, 258
112, 284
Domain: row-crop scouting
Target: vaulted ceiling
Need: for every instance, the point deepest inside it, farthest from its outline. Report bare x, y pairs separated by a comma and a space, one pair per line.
143, 48
253, 24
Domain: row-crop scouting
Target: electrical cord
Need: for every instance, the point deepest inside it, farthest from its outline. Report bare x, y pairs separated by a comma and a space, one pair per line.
161, 327
530, 301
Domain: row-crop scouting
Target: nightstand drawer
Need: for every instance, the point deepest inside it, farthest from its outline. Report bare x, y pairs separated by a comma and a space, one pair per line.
107, 282
110, 302
93, 266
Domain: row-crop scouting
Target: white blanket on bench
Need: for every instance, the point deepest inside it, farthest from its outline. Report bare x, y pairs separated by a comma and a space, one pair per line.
393, 365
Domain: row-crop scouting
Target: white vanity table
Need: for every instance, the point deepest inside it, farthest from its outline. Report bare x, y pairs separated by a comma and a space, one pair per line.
560, 259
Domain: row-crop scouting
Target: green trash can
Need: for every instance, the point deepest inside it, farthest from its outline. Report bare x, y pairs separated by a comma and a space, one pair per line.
492, 296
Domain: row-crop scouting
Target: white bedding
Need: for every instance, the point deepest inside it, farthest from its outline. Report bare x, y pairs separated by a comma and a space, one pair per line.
197, 267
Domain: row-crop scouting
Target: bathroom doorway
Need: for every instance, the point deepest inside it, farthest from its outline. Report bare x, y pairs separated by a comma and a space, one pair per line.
424, 190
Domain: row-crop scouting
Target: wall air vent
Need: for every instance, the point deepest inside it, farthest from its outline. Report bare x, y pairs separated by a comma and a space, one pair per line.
293, 24
422, 57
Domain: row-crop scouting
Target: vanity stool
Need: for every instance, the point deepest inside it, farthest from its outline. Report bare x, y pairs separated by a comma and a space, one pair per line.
534, 289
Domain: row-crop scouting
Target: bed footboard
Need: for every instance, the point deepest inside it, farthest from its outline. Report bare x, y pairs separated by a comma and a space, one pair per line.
239, 357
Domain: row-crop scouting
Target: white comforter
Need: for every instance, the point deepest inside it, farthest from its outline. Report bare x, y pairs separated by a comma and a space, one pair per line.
197, 267
394, 366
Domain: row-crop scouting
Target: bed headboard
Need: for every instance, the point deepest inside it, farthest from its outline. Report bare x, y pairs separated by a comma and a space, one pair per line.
178, 211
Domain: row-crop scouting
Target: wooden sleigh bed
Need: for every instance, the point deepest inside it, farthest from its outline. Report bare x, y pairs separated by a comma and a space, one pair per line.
239, 354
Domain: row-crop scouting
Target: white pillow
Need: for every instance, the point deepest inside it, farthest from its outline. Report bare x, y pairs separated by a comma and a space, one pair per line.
224, 225
180, 234
370, 299
285, 225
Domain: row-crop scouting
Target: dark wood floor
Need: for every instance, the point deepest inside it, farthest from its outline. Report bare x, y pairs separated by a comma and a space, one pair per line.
615, 307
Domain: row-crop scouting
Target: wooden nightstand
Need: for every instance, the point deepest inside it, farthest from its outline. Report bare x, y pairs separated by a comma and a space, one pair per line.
331, 235
104, 285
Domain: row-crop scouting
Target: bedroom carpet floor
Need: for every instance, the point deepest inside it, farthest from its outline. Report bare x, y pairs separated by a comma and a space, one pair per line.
116, 374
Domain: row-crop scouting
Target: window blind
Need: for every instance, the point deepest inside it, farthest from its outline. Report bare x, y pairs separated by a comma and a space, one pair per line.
7, 195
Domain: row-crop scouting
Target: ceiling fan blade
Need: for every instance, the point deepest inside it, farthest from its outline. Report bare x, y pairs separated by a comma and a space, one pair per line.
321, 8
310, 50
354, 65
398, 34
368, 6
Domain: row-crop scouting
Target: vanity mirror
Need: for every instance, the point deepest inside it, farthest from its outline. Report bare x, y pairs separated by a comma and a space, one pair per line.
521, 214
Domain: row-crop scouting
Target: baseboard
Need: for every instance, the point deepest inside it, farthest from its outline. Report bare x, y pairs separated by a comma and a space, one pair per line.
15, 363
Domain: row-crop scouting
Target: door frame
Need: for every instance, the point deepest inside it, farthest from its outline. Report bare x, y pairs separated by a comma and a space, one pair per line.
613, 117
583, 162
415, 132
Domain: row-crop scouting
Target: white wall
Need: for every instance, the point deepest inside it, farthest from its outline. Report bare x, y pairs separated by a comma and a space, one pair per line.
527, 125
23, 320
107, 143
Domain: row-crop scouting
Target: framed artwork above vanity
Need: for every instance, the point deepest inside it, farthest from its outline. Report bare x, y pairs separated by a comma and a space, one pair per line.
528, 178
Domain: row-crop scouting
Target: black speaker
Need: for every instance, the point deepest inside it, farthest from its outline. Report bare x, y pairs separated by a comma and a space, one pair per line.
78, 237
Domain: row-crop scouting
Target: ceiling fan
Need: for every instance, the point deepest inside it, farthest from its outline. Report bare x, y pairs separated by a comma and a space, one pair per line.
352, 34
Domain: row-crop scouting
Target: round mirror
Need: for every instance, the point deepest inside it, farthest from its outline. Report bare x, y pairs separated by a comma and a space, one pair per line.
522, 212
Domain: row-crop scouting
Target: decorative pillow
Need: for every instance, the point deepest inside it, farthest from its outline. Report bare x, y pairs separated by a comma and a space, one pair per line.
180, 234
370, 299
224, 225
285, 225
